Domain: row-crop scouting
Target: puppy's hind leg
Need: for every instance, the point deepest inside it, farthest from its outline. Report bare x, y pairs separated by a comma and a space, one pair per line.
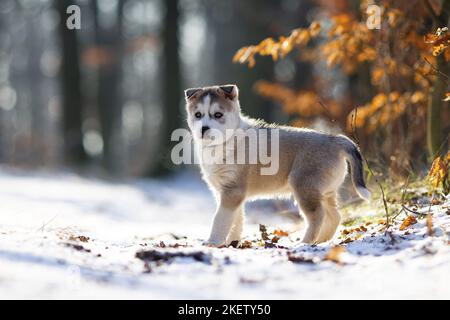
332, 219
310, 202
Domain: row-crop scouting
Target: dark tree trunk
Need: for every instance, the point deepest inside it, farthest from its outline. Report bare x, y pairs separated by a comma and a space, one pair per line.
172, 90
109, 96
436, 103
74, 153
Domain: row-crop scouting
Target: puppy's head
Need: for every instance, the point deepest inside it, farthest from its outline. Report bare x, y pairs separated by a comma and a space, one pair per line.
213, 113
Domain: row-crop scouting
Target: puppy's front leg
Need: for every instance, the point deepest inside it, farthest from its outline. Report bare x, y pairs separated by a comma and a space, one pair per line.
223, 221
236, 230
227, 211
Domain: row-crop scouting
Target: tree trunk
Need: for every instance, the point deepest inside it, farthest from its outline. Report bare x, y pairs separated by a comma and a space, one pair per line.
74, 153
109, 96
436, 103
171, 88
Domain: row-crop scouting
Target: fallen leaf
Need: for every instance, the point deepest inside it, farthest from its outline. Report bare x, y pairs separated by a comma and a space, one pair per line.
409, 220
164, 256
275, 239
299, 258
280, 233
347, 240
246, 245
78, 247
334, 254
79, 238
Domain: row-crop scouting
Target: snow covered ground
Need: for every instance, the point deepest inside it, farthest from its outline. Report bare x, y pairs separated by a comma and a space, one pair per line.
63, 236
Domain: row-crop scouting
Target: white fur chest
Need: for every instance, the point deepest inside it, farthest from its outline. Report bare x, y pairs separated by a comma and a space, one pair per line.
219, 175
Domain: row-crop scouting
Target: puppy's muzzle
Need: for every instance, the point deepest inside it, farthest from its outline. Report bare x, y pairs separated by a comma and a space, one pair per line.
204, 129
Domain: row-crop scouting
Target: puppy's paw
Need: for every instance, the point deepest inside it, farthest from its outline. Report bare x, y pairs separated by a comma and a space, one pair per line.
212, 243
309, 241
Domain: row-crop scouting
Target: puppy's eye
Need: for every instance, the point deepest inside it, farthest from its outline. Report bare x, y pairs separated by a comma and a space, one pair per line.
218, 115
198, 115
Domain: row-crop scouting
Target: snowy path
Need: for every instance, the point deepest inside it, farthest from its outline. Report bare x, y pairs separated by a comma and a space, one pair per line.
62, 236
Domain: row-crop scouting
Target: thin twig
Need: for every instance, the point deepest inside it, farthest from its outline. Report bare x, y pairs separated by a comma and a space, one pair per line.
399, 212
405, 186
46, 223
404, 190
412, 211
323, 105
436, 69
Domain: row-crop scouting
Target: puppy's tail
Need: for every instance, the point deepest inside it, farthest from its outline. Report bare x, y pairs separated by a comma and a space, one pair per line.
354, 158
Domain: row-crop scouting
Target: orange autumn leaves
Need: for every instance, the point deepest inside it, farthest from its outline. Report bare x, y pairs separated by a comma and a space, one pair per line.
409, 220
277, 48
384, 108
348, 44
305, 103
440, 40
439, 174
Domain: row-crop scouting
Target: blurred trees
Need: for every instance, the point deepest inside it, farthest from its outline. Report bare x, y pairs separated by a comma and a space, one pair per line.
108, 96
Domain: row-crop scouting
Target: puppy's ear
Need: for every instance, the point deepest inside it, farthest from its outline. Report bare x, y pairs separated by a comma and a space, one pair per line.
230, 91
189, 93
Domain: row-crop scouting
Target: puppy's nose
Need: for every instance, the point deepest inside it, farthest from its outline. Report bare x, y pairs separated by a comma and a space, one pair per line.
204, 129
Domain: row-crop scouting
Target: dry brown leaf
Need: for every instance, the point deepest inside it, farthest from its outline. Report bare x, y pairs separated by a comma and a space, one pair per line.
275, 239
347, 240
409, 220
280, 233
299, 258
79, 238
334, 254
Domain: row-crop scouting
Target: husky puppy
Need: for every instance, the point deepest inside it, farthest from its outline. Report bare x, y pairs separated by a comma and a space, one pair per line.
311, 167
